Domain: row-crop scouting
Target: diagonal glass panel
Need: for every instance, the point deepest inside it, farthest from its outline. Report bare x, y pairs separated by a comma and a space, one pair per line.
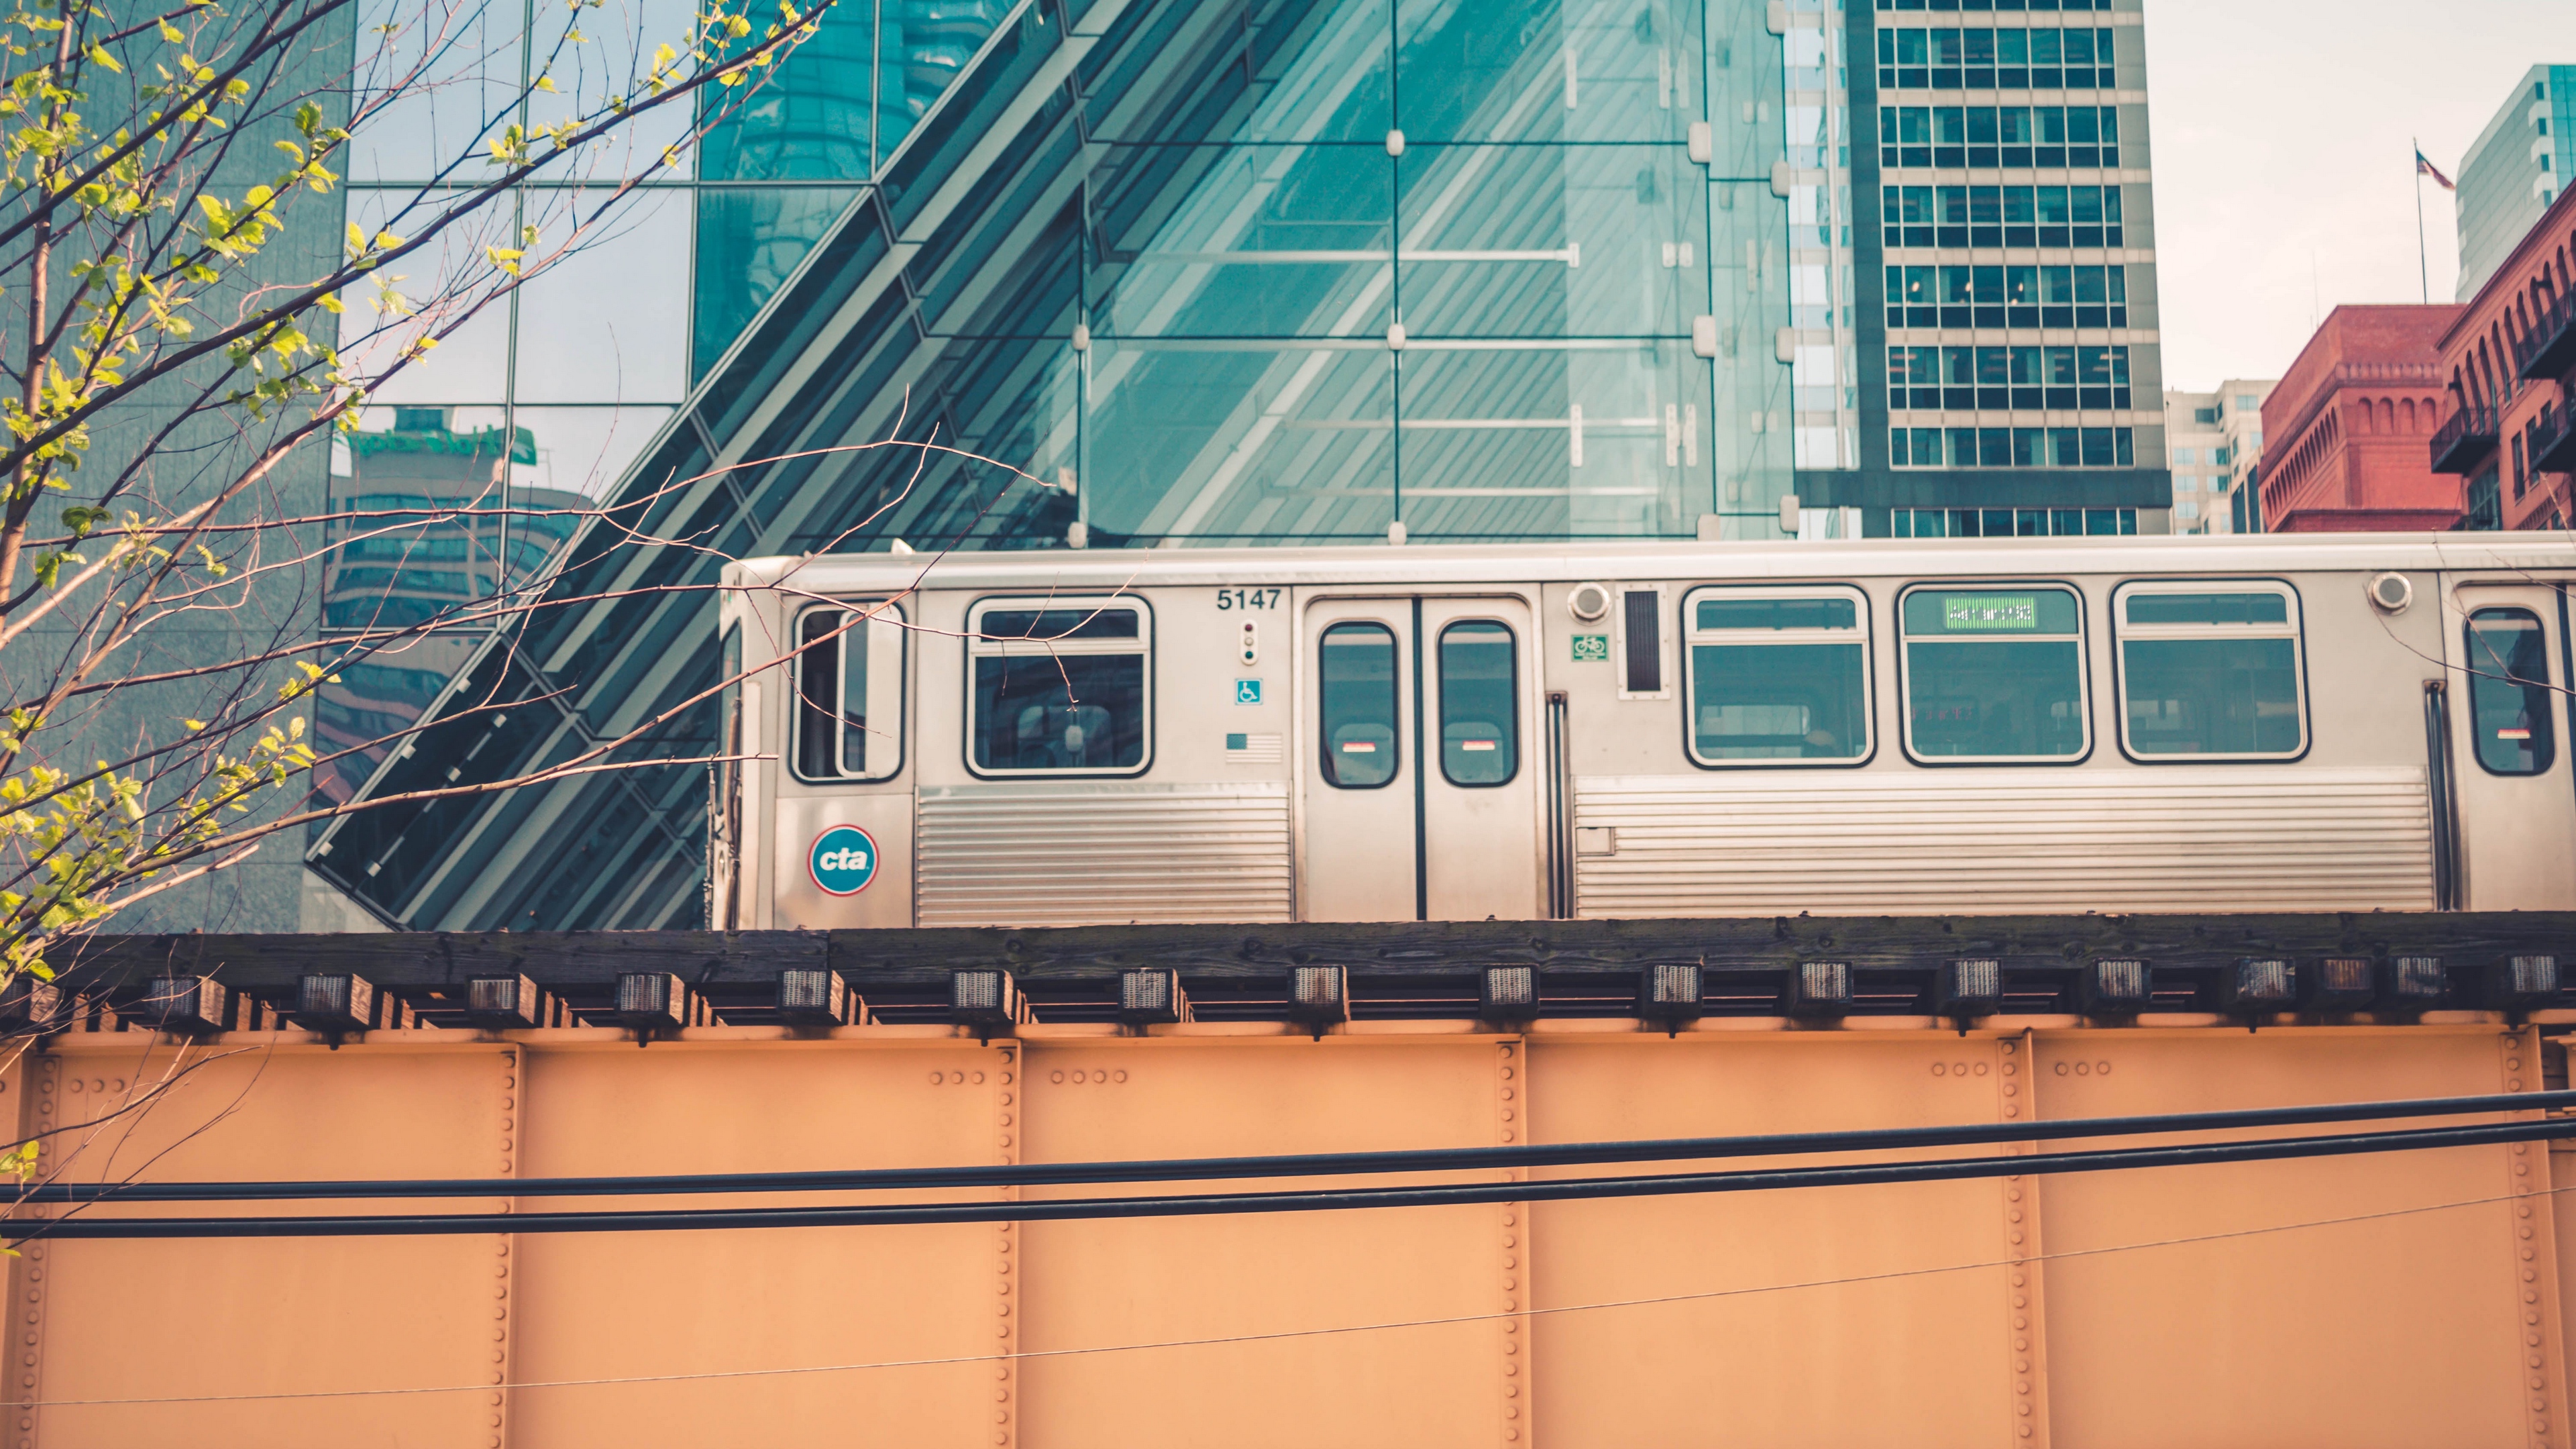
1578, 439
1581, 71
749, 241
1241, 440
1271, 241
1299, 71
1523, 241
922, 48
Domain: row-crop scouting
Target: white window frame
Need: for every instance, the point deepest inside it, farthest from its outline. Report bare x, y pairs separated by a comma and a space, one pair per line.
1692, 636
1905, 668
2122, 632
979, 647
886, 695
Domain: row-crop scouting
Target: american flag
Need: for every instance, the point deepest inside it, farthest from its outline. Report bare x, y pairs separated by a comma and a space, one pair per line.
2427, 168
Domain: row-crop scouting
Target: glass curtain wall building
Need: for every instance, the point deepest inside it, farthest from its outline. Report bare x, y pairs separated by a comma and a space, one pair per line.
2518, 165
1263, 272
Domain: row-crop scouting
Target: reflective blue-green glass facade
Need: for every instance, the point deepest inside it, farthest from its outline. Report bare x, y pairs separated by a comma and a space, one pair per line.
1251, 272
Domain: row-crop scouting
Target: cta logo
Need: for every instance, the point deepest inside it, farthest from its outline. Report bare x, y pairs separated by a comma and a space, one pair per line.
842, 861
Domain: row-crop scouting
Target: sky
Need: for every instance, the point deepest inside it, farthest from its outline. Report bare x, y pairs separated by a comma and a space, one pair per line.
2284, 173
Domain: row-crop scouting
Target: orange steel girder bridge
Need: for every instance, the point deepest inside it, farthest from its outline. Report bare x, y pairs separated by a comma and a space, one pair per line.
2407, 1297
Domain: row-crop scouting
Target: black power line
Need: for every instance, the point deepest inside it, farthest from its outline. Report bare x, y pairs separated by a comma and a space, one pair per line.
1325, 1199
1342, 1164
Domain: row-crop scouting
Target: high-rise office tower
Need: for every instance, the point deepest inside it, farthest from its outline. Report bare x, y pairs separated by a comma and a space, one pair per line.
2213, 442
2006, 218
2514, 170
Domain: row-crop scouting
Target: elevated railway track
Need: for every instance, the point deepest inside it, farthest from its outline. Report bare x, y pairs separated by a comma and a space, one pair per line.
2202, 1293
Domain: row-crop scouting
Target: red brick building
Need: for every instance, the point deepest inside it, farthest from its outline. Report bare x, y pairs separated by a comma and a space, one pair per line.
2345, 431
2506, 365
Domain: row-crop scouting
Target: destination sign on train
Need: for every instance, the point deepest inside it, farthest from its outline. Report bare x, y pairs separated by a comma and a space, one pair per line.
1990, 611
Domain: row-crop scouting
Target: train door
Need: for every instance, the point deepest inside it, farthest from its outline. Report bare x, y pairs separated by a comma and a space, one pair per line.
2516, 785
1406, 822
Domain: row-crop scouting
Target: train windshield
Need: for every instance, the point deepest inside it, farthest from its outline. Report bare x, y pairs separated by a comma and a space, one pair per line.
2210, 673
2509, 692
1062, 689
1994, 674
1777, 677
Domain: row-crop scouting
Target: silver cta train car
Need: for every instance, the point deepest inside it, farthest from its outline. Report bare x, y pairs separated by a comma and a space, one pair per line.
2336, 722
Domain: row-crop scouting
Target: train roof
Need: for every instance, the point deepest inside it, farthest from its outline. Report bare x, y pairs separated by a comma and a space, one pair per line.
1465, 564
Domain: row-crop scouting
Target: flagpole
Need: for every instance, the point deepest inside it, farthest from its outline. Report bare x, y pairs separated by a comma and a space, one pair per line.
2423, 268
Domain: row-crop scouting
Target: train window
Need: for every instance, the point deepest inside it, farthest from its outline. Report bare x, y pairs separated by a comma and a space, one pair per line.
1356, 678
2210, 671
2509, 692
1060, 687
1994, 673
1777, 675
849, 691
1479, 703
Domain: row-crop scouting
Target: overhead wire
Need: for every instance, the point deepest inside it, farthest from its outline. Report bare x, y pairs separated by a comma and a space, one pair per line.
1342, 1164
1329, 1330
1305, 1200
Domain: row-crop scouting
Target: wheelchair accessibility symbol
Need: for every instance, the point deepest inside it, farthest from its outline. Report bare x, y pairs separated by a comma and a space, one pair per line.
1247, 691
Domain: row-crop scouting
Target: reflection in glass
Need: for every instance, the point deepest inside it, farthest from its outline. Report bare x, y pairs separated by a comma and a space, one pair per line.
1983, 680
434, 78
1775, 614
923, 46
1547, 241
831, 695
1070, 712
1479, 704
806, 121
389, 565
2509, 714
471, 363
1175, 451
1272, 241
1778, 702
1532, 70
2196, 684
363, 708
1777, 679
748, 243
1355, 669
2262, 608
2211, 696
610, 321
